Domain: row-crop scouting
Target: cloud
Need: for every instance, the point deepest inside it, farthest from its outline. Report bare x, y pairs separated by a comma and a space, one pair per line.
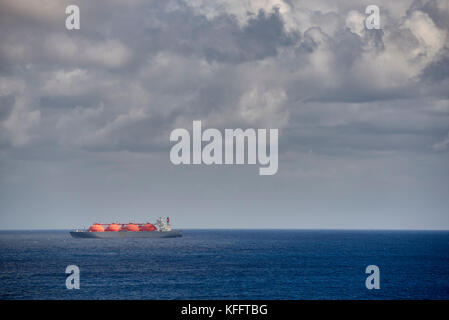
438, 69
35, 11
267, 64
442, 145
20, 122
109, 53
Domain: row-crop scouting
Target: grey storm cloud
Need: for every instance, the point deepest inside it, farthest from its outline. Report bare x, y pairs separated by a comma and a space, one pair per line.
138, 69
438, 70
182, 62
221, 38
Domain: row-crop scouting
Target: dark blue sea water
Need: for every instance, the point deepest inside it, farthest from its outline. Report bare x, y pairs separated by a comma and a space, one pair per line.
227, 264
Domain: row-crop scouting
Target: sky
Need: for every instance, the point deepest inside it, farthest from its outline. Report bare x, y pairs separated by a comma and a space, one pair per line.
363, 115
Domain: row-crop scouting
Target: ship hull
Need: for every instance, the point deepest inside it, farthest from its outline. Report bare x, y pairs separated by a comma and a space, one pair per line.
126, 234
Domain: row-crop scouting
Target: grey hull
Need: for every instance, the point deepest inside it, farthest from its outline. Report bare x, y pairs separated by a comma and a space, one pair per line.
126, 234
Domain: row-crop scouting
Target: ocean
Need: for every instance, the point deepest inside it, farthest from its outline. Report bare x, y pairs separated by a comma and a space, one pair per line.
227, 264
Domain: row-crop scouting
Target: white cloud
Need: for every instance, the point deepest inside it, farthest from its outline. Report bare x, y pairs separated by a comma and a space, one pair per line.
21, 122
355, 21
442, 145
263, 107
61, 82
431, 38
109, 53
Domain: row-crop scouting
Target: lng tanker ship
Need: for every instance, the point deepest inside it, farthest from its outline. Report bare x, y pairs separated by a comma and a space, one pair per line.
161, 229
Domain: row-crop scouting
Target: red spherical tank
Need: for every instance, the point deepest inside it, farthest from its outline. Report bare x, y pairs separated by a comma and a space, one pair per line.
130, 227
148, 227
96, 227
113, 227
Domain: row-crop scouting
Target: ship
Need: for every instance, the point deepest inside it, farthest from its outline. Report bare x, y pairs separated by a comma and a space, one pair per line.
161, 229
